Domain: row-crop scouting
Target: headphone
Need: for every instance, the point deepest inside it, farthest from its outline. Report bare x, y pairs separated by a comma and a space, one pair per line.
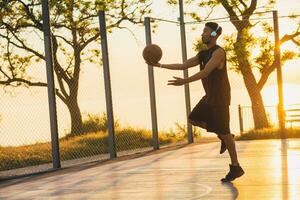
214, 33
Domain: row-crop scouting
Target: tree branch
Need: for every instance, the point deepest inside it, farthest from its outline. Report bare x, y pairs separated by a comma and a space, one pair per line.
64, 39
268, 70
23, 46
265, 75
233, 17
20, 80
29, 83
243, 3
296, 42
61, 96
5, 74
57, 68
62, 87
82, 46
248, 12
289, 37
31, 16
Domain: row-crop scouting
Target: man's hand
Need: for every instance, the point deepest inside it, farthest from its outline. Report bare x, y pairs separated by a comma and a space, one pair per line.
153, 64
178, 81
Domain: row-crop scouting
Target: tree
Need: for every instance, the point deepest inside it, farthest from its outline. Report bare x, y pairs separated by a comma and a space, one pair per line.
241, 44
74, 26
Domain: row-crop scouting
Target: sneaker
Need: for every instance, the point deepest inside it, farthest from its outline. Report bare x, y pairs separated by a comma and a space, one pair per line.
223, 146
234, 172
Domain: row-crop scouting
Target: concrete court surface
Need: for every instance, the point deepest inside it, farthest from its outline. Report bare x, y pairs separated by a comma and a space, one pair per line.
272, 171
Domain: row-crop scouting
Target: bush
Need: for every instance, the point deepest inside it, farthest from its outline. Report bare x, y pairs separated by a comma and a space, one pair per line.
269, 133
92, 124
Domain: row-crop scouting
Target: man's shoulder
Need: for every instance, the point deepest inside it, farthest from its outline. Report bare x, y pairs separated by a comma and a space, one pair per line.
207, 52
219, 48
219, 51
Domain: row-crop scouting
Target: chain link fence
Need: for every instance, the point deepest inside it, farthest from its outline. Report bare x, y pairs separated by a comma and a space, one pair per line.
80, 101
25, 145
246, 117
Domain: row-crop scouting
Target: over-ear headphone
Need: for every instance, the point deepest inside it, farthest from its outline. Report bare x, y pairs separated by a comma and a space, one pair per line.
214, 33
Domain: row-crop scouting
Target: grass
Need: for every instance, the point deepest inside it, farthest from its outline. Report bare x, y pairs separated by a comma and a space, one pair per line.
85, 145
93, 140
269, 133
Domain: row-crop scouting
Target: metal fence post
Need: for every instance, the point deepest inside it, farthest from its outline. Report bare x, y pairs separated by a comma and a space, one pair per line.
152, 88
51, 85
277, 60
241, 119
185, 72
108, 95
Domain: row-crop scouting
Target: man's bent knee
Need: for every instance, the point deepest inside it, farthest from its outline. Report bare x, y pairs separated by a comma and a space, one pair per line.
200, 124
224, 136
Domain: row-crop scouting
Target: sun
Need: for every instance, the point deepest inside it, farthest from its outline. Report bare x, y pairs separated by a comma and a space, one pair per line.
291, 95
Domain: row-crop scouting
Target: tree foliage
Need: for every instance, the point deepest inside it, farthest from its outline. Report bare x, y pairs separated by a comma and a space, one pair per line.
74, 30
251, 46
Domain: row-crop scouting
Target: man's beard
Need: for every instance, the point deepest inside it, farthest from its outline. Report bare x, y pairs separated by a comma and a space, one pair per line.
205, 41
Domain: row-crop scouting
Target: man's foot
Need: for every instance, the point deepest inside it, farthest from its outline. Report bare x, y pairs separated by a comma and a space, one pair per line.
223, 145
234, 172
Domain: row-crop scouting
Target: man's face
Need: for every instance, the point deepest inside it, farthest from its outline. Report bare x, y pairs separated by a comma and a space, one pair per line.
206, 37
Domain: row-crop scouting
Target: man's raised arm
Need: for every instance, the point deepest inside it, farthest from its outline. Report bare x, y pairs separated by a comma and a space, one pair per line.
187, 64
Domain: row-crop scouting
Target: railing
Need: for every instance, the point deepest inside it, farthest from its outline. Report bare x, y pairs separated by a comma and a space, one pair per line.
246, 122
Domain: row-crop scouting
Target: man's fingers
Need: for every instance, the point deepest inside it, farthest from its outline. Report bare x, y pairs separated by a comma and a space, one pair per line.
173, 84
153, 64
149, 63
172, 81
176, 77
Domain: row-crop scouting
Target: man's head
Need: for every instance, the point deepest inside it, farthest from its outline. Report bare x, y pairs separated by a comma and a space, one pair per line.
211, 32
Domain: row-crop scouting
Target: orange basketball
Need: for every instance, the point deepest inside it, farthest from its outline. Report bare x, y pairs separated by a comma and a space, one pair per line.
152, 53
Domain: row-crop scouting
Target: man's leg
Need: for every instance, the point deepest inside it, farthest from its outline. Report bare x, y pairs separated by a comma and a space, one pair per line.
223, 145
230, 144
200, 124
203, 125
235, 169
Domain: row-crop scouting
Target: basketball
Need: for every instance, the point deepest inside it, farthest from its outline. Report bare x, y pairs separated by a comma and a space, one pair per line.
152, 53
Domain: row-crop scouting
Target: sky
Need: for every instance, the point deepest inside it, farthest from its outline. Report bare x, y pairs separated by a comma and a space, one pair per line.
25, 114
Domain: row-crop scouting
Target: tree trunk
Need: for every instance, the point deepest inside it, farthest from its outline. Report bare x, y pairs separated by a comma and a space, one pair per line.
76, 118
259, 112
258, 109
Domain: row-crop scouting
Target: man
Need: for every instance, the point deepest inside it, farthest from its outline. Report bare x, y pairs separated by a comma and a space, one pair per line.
212, 112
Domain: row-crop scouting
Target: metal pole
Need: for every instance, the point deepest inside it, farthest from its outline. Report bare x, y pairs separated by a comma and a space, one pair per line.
277, 61
152, 89
185, 72
108, 95
241, 119
51, 85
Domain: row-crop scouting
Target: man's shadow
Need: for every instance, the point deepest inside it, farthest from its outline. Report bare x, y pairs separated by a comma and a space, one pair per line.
234, 191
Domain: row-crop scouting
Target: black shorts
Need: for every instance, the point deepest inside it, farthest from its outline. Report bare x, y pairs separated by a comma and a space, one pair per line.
216, 117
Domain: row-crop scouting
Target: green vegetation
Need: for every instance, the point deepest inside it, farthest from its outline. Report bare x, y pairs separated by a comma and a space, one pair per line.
21, 26
92, 141
269, 133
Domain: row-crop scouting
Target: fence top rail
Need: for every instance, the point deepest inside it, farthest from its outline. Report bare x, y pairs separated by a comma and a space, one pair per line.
227, 19
291, 116
291, 110
164, 20
272, 106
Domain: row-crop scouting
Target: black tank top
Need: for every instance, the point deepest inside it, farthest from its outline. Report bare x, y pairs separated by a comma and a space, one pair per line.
216, 84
